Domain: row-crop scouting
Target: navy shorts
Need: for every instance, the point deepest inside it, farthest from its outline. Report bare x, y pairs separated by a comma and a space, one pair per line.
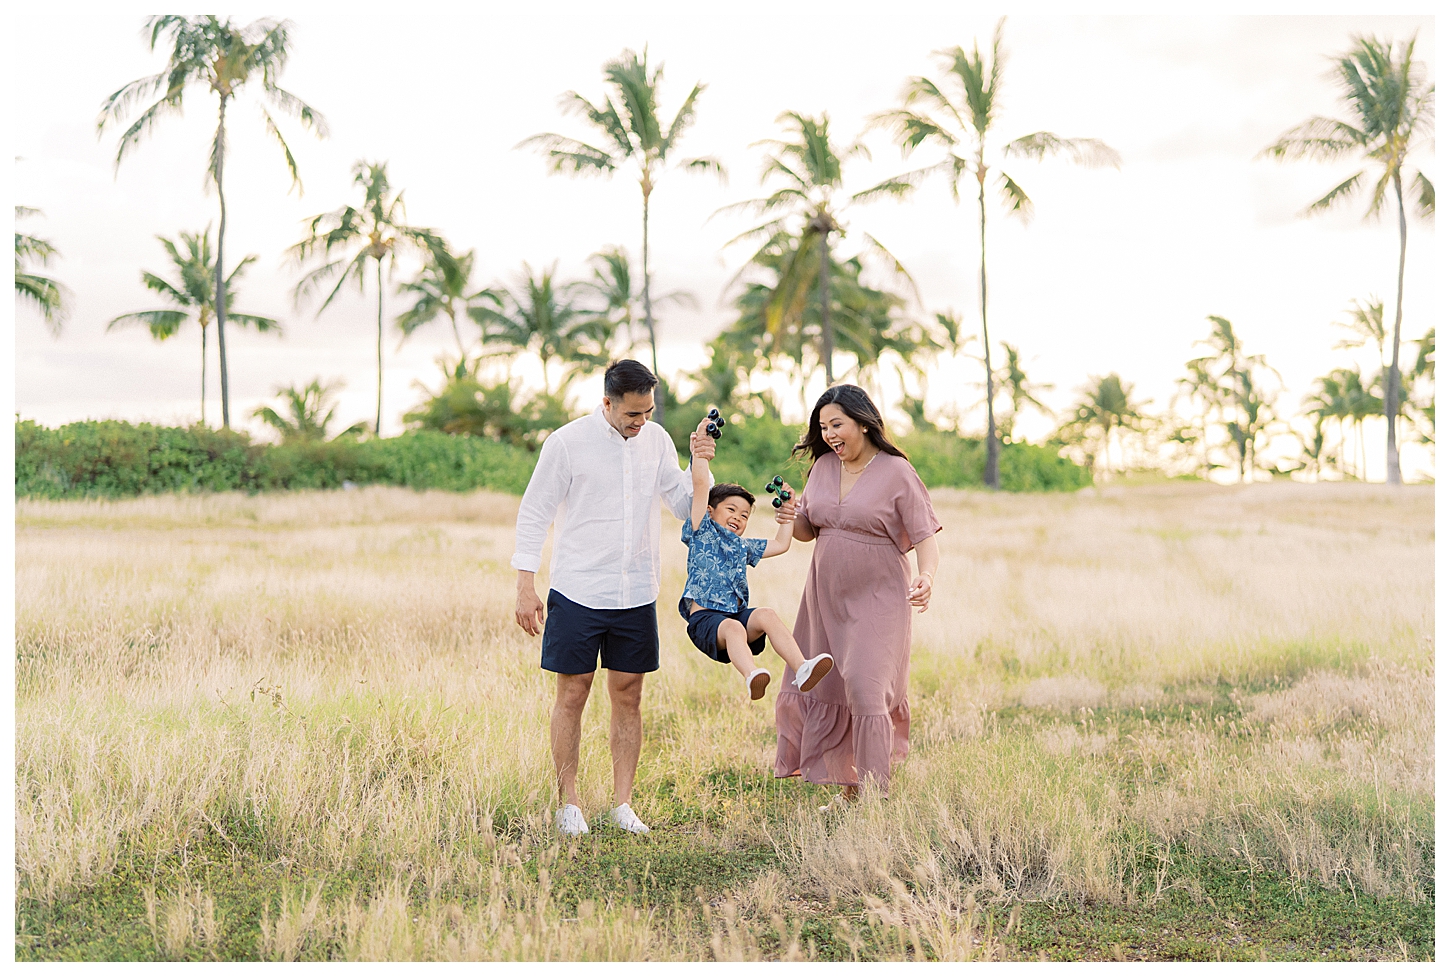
577, 639
703, 627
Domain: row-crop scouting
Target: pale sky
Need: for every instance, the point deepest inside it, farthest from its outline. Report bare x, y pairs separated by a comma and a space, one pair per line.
1116, 273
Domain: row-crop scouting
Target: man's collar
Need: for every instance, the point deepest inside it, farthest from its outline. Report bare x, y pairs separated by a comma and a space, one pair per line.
609, 429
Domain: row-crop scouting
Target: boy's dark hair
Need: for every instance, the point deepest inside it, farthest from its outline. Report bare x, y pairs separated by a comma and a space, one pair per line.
628, 377
719, 493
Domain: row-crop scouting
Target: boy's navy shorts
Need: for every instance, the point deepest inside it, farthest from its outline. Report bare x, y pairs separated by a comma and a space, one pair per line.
578, 639
703, 627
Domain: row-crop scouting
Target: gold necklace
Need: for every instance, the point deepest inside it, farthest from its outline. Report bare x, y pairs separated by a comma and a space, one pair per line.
863, 467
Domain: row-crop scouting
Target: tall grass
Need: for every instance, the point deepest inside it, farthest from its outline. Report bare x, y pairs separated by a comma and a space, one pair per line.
1111, 691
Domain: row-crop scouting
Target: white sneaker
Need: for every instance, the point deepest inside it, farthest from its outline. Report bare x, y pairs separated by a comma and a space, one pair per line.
812, 671
756, 683
570, 820
625, 818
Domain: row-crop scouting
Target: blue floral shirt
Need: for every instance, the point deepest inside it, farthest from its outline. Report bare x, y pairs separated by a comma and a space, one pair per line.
715, 571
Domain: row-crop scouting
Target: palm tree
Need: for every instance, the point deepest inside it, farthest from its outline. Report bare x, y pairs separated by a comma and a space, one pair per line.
1393, 106
47, 294
1424, 367
629, 124
309, 412
957, 116
192, 295
1235, 390
1012, 377
613, 283
804, 213
224, 58
541, 317
1326, 401
1106, 404
376, 231
442, 288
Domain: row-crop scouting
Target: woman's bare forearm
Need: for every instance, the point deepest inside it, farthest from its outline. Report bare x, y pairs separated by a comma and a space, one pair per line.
802, 530
928, 557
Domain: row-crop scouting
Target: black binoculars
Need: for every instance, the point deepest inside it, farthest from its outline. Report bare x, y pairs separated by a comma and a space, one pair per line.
714, 423
777, 487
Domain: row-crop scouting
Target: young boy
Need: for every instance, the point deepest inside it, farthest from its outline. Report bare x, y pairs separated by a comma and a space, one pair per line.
716, 598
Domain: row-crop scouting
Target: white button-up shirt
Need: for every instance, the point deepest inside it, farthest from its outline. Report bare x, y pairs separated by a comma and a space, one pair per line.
607, 536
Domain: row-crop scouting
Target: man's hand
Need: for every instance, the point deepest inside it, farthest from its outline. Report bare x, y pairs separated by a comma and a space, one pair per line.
529, 611
701, 444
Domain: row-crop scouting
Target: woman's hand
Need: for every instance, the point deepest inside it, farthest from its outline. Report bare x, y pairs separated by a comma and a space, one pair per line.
786, 512
919, 593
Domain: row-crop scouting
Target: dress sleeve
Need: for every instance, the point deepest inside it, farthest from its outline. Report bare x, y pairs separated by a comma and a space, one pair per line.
755, 549
915, 518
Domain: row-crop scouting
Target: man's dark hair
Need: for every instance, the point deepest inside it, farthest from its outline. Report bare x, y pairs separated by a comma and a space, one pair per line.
628, 377
719, 493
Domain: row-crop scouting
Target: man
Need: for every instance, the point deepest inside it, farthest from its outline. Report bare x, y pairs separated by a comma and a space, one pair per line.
609, 472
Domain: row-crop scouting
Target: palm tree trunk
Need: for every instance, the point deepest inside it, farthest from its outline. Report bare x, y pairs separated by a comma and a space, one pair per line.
989, 474
457, 336
649, 315
1392, 388
823, 286
378, 424
221, 289
203, 374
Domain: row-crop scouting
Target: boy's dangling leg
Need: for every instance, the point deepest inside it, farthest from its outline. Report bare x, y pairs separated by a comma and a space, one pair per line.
732, 636
764, 621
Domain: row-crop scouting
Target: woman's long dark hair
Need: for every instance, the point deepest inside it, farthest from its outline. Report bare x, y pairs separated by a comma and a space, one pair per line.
856, 404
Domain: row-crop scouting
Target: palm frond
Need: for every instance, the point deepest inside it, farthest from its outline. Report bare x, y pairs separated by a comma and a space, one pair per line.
257, 322
298, 109
1336, 195
567, 155
163, 323
684, 118
606, 120
894, 188
894, 263
1424, 195
276, 134
1318, 138
707, 164
1016, 199
1084, 152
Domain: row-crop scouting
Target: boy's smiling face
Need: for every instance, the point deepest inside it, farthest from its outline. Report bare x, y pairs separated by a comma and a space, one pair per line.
733, 513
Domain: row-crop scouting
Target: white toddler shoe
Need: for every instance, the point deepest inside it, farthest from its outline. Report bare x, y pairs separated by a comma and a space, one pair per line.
756, 683
812, 671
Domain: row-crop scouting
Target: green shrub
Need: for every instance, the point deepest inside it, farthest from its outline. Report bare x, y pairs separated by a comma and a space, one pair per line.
754, 448
115, 459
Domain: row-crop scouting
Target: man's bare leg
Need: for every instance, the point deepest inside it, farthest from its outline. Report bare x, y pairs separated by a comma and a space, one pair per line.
626, 730
570, 697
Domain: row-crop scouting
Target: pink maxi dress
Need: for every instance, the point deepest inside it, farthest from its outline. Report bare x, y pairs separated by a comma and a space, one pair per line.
854, 723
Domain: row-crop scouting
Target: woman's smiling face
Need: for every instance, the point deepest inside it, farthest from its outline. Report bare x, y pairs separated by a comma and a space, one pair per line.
843, 435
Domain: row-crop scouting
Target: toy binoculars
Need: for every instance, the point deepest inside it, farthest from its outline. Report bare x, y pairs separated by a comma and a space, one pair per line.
777, 487
715, 423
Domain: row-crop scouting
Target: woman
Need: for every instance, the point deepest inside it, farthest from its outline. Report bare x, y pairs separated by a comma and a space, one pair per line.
866, 507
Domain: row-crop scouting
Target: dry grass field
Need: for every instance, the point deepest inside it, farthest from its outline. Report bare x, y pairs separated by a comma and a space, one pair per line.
1178, 721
